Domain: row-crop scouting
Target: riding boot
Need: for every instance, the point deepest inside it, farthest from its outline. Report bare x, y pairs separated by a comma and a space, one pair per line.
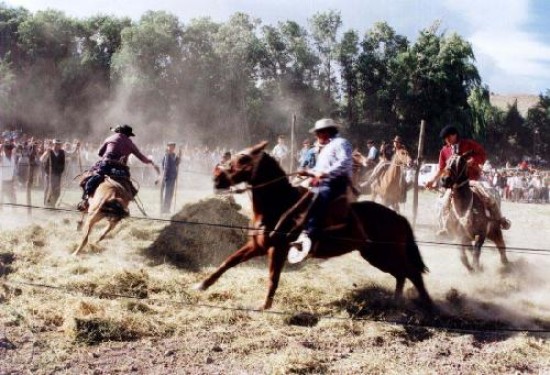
299, 249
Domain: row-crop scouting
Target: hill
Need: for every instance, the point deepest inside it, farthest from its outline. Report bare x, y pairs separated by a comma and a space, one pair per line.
525, 101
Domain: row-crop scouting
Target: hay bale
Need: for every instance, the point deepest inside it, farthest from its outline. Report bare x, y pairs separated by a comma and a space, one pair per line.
192, 246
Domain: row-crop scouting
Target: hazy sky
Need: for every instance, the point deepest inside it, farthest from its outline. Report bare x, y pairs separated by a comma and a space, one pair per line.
510, 37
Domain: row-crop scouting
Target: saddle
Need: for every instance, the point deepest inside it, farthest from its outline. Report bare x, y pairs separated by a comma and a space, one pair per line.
337, 215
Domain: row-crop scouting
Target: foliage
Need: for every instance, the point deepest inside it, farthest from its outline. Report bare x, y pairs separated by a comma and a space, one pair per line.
245, 79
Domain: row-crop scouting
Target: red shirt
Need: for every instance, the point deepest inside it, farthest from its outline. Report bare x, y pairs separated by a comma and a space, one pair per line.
479, 155
119, 147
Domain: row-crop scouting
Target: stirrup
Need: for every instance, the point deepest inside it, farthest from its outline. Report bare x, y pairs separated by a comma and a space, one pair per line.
299, 249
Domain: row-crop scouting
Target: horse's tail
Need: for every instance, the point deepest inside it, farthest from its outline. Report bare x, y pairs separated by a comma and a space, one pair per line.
114, 207
413, 252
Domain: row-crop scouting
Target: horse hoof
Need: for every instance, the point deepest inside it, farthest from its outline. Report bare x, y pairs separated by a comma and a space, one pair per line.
199, 287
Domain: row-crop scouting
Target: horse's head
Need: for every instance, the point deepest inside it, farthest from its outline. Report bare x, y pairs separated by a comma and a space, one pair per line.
456, 170
403, 158
241, 167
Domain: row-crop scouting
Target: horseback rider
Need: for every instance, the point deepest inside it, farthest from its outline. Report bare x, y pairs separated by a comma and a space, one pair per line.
114, 155
331, 177
453, 142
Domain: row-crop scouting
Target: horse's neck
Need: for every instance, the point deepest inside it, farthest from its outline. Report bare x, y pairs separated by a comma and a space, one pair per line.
273, 195
462, 198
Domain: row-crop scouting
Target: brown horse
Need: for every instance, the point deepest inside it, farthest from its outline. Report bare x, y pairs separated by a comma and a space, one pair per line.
109, 201
390, 185
383, 238
467, 218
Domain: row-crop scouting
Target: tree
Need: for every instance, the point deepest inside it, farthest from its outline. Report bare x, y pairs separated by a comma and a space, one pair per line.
324, 30
347, 57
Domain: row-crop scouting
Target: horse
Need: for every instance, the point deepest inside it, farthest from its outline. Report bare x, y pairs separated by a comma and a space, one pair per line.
383, 237
467, 214
390, 185
110, 201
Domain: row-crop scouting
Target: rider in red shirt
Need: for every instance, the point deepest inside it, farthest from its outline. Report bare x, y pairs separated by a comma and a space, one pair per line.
453, 141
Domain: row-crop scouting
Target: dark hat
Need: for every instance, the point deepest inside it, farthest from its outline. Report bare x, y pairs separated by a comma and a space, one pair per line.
370, 142
227, 154
124, 129
448, 130
398, 139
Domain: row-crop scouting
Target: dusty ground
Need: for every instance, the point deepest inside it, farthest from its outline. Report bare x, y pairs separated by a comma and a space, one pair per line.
85, 327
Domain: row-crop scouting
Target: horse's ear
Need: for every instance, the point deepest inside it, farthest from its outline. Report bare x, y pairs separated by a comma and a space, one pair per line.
467, 154
254, 150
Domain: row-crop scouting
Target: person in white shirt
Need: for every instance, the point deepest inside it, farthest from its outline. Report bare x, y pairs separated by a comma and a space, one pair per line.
280, 152
8, 172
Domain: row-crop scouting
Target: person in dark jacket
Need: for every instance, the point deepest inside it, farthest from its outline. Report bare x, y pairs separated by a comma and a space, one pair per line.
170, 164
53, 161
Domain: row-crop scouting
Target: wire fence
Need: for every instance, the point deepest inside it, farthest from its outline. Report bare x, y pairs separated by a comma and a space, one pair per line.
516, 249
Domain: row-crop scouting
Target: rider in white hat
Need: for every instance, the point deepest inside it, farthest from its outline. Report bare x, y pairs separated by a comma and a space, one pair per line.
331, 177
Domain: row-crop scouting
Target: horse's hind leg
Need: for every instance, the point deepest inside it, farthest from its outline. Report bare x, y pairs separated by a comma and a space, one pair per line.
399, 285
250, 250
110, 227
418, 282
90, 222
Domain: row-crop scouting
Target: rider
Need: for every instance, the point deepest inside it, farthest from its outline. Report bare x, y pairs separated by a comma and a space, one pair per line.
330, 178
453, 141
114, 155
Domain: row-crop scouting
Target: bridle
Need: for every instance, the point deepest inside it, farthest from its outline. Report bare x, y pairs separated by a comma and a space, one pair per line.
230, 171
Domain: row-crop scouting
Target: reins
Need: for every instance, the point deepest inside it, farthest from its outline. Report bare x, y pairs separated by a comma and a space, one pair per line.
259, 186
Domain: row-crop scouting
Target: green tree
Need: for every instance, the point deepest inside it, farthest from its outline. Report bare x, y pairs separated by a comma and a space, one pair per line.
324, 30
348, 55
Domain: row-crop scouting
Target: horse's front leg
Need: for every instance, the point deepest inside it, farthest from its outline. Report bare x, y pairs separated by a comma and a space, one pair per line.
466, 244
277, 257
479, 240
248, 251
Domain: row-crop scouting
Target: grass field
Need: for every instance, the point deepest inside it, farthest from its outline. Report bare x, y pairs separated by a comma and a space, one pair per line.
334, 316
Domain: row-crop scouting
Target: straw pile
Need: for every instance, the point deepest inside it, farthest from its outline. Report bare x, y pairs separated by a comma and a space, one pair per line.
188, 244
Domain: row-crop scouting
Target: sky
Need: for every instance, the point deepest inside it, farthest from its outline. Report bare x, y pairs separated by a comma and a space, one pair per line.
511, 38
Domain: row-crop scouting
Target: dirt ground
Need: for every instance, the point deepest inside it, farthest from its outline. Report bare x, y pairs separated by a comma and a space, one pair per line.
162, 326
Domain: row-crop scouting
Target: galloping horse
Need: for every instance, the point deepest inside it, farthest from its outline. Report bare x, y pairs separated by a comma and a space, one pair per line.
383, 238
109, 201
391, 185
467, 215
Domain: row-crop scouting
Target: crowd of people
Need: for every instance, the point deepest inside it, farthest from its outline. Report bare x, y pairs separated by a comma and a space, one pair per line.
54, 164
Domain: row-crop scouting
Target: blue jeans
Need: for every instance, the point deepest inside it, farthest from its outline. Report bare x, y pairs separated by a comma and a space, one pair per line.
326, 192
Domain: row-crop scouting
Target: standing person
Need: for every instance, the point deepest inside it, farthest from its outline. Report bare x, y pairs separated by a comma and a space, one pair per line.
53, 161
302, 154
170, 164
280, 152
8, 166
114, 153
454, 143
331, 177
373, 153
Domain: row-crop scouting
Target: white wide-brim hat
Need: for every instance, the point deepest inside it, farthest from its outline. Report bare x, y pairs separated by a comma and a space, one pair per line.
324, 123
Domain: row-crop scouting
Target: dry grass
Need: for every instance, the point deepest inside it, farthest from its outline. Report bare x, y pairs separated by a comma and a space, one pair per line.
160, 327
